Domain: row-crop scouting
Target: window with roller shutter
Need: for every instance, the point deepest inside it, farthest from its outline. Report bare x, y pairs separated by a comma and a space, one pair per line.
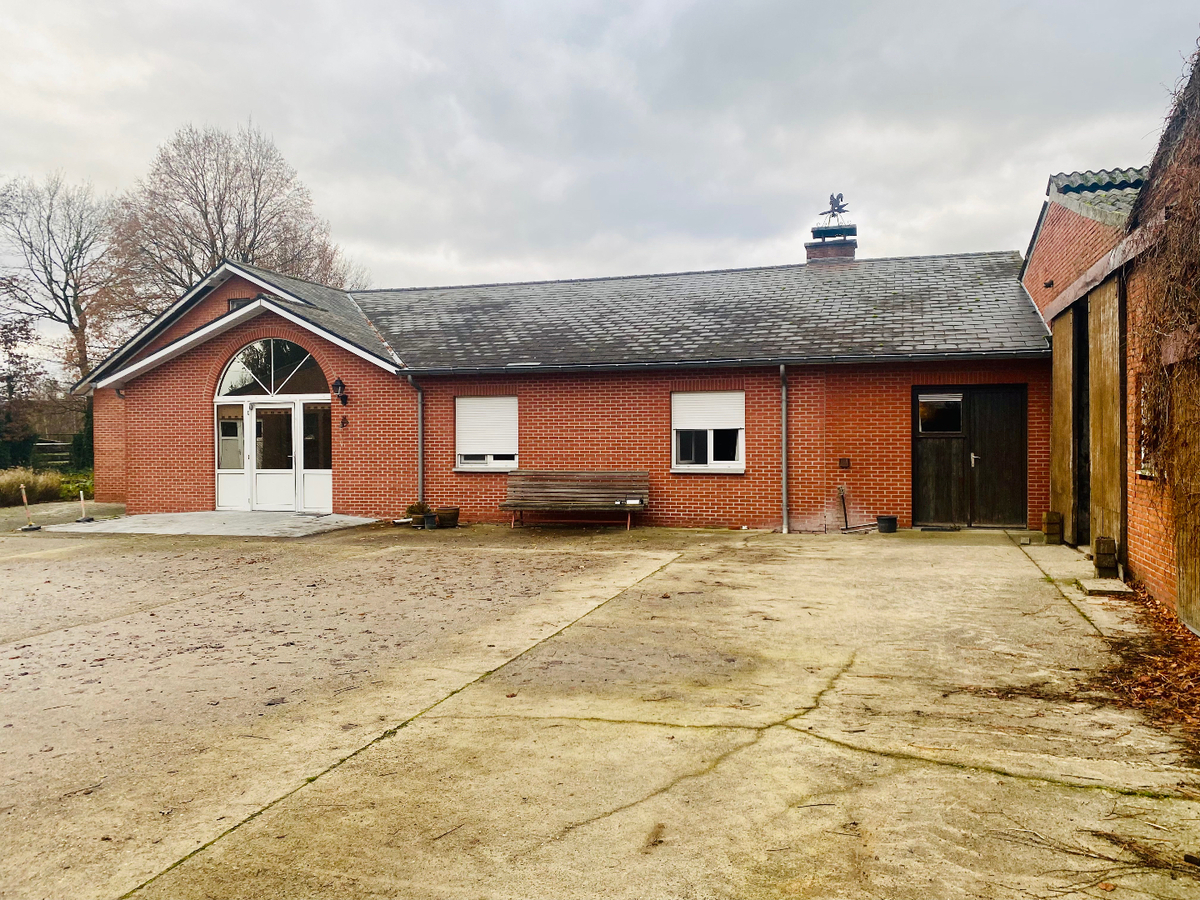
708, 431
485, 432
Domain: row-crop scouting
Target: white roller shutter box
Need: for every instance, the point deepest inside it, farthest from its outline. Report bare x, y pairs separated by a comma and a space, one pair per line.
701, 410
485, 425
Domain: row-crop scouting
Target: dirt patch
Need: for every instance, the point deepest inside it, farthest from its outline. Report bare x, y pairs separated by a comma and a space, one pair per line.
1157, 672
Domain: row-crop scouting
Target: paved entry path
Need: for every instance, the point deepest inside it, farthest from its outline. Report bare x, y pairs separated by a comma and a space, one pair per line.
496, 714
215, 523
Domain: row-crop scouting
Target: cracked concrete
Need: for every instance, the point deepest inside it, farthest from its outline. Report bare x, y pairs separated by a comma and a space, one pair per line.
666, 714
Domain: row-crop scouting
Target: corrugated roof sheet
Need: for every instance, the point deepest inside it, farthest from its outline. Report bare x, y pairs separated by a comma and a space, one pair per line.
913, 307
1106, 195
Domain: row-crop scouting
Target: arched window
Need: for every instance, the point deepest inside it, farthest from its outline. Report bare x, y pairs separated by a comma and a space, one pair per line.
272, 366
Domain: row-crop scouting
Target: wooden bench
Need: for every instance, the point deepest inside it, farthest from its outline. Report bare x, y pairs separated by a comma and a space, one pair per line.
540, 491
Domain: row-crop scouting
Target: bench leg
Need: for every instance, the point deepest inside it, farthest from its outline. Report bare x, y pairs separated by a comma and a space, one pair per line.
629, 521
513, 523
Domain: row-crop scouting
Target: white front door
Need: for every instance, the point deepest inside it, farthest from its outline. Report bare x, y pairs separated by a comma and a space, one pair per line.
273, 456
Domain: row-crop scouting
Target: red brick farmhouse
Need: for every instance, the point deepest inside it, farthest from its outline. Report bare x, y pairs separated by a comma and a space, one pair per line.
915, 387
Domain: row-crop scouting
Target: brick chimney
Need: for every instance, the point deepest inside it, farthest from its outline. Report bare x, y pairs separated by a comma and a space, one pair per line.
835, 237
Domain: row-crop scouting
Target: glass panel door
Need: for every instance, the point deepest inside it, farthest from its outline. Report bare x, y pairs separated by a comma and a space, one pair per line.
233, 485
317, 473
274, 457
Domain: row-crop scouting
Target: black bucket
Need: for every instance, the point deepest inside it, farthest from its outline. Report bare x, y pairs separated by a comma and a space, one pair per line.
887, 524
430, 521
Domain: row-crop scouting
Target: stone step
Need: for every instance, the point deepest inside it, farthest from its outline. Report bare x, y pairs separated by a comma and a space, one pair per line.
1104, 586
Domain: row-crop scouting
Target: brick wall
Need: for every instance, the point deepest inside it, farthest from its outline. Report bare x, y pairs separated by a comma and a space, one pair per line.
212, 306
169, 439
623, 421
1150, 518
108, 436
864, 413
613, 421
1067, 245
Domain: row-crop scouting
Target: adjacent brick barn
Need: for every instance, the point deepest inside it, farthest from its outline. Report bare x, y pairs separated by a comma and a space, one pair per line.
915, 387
1084, 270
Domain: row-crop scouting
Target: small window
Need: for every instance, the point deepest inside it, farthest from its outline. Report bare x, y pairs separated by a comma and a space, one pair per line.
709, 429
318, 437
239, 302
229, 437
939, 413
1147, 467
485, 432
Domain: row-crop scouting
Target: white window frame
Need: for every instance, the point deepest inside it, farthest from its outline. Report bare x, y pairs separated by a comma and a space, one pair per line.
478, 453
728, 414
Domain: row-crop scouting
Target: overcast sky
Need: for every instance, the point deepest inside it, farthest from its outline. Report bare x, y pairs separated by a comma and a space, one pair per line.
453, 142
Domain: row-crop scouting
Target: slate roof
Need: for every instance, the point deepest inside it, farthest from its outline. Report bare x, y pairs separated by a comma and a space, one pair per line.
325, 307
1107, 195
925, 307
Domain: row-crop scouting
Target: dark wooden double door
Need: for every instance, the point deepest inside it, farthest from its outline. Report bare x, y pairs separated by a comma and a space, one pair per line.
970, 453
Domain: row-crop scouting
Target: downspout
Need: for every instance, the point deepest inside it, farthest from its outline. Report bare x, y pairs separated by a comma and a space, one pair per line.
420, 438
783, 433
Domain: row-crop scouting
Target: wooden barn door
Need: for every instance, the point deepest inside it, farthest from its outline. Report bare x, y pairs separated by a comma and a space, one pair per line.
970, 456
998, 456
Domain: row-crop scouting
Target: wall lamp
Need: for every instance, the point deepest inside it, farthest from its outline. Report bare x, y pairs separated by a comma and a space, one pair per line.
339, 389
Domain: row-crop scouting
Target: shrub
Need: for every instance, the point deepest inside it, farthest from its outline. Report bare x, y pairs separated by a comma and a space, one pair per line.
74, 482
39, 486
420, 508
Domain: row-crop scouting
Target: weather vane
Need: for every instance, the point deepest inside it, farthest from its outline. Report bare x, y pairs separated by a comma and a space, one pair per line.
836, 206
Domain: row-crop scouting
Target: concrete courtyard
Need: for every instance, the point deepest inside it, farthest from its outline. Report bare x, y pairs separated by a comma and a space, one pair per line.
488, 713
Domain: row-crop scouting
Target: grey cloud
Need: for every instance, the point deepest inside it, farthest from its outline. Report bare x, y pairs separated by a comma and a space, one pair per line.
452, 142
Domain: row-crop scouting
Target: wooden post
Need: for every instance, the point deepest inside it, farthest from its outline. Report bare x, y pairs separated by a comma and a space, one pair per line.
1052, 525
1104, 556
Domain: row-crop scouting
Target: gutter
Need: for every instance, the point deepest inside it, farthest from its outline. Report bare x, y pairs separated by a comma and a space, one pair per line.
750, 362
420, 437
783, 434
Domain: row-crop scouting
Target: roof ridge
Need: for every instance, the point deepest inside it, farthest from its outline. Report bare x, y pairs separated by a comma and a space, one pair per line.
1097, 180
734, 269
267, 271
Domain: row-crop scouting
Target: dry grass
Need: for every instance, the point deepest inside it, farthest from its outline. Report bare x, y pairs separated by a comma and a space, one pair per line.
39, 486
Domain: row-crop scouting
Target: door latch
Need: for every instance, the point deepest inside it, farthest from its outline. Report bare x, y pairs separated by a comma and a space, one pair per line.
973, 458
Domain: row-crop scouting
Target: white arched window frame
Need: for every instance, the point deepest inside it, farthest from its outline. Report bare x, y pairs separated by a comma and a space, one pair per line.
265, 380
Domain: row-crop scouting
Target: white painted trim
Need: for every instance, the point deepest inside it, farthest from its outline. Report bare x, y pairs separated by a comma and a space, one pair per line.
213, 279
181, 346
220, 326
328, 335
265, 285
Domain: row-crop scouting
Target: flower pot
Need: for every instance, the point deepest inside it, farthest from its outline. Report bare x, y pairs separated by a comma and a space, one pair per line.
887, 524
431, 521
447, 516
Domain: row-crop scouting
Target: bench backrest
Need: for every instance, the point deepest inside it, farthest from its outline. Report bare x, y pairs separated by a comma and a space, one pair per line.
602, 488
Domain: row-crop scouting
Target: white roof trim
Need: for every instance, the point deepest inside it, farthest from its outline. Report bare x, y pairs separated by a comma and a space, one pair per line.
265, 285
328, 335
215, 278
220, 326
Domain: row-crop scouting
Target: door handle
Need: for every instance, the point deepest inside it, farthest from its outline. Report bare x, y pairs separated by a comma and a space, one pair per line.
973, 458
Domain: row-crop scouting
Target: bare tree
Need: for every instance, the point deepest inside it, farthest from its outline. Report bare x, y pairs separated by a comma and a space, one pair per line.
58, 238
19, 376
212, 195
